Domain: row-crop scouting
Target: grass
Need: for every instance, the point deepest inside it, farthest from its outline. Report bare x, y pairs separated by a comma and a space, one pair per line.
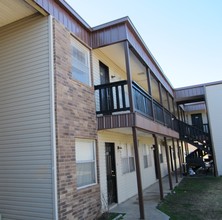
195, 198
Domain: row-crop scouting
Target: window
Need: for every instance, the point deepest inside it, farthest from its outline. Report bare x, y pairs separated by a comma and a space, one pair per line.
80, 63
127, 158
164, 98
160, 154
85, 162
155, 88
146, 156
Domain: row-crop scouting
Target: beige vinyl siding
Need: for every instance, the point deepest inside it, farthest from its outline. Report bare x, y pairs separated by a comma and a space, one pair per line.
26, 175
214, 107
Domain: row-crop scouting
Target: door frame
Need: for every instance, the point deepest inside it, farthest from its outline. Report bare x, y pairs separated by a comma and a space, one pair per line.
113, 174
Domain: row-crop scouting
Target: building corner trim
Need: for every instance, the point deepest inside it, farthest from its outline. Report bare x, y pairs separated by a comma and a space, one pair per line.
52, 116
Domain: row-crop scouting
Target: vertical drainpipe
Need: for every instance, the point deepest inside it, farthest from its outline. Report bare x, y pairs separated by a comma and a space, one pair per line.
168, 164
175, 163
134, 131
158, 166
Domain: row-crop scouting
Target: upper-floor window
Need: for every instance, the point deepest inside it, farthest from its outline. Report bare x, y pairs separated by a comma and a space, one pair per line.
155, 88
80, 63
171, 104
164, 98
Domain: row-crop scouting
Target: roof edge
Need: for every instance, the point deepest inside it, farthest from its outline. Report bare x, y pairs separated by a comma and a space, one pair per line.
73, 12
199, 85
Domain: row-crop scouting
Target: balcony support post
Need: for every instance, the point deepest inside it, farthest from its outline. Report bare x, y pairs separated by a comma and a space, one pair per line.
138, 173
129, 75
168, 164
158, 166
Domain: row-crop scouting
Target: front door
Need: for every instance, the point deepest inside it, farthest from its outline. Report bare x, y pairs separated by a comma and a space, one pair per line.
111, 173
197, 120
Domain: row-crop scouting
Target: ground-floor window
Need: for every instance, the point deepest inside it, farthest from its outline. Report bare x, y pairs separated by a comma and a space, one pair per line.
161, 154
127, 158
85, 162
146, 156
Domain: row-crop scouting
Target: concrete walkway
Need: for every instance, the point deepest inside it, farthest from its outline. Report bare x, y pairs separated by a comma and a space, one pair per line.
151, 198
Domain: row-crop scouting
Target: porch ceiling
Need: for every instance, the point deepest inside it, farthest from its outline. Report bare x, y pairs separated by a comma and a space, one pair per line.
13, 10
116, 54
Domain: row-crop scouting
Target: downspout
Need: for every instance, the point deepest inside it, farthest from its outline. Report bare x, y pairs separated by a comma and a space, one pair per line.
52, 119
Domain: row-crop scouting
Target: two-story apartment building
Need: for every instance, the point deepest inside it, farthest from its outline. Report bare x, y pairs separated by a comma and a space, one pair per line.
87, 116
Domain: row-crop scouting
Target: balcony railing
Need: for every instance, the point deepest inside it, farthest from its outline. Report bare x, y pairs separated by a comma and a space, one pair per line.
113, 97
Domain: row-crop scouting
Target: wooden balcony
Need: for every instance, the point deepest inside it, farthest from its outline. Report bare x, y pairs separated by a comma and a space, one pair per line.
113, 109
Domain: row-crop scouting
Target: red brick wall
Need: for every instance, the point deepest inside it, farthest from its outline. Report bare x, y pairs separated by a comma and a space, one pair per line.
75, 118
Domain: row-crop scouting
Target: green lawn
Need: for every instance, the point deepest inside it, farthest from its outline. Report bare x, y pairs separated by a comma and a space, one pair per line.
195, 198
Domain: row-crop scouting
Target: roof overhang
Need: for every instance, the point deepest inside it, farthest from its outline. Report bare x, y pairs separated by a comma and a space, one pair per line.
14, 10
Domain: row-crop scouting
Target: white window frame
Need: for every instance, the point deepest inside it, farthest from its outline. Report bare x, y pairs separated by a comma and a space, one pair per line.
81, 64
127, 158
93, 160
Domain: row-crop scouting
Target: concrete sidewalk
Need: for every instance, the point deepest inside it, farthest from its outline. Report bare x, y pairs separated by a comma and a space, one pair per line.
151, 198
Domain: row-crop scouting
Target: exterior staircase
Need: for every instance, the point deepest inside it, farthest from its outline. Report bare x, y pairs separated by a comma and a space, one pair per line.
198, 138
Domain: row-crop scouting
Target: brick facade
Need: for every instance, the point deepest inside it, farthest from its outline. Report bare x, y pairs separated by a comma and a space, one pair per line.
75, 118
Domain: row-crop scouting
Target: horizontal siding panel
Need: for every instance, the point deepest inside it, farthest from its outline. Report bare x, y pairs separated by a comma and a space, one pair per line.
27, 116
36, 201
39, 84
25, 71
25, 215
26, 126
28, 59
29, 107
25, 181
41, 34
24, 100
26, 190
23, 167
25, 68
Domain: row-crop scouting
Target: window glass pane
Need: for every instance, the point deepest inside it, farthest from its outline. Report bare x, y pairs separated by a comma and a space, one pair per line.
80, 62
130, 150
155, 88
145, 161
85, 173
171, 104
164, 98
131, 164
84, 151
125, 166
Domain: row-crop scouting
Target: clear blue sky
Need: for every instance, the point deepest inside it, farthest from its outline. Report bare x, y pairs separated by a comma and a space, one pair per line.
185, 36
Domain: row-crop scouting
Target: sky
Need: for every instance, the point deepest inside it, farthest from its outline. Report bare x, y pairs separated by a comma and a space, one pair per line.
184, 36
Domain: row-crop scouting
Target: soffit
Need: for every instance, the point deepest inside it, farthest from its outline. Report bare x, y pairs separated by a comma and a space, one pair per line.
13, 10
